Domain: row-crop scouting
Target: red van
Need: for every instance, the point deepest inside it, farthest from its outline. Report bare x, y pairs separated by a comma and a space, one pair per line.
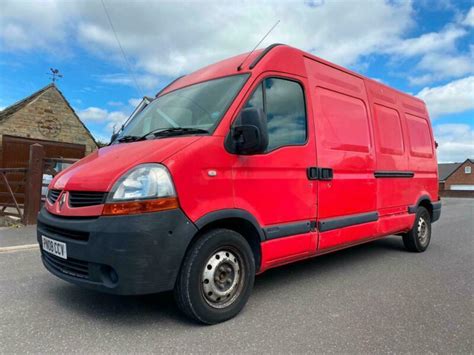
237, 168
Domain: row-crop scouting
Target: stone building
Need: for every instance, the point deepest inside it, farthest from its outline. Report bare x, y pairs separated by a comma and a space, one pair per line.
45, 117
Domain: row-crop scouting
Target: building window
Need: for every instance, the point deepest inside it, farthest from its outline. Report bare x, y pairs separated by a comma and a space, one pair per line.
467, 170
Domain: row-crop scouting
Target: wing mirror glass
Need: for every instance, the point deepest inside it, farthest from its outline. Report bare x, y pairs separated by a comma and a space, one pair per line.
249, 134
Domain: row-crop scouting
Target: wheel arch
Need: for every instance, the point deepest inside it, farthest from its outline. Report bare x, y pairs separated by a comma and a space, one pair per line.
237, 220
423, 201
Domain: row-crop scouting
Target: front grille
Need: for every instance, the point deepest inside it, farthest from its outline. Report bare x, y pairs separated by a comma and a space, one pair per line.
53, 195
71, 267
86, 198
65, 233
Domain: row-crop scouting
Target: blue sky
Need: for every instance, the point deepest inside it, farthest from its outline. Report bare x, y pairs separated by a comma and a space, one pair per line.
422, 47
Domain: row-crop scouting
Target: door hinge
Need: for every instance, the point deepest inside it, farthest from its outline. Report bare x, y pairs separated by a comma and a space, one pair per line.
316, 173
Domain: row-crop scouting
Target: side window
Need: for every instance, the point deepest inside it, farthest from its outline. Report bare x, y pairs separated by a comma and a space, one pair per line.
286, 114
283, 102
256, 100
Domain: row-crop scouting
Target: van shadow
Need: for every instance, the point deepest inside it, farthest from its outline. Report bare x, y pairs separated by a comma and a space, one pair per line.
321, 266
115, 309
161, 308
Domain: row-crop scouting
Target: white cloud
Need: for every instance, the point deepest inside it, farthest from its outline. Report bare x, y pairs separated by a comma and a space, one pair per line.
444, 66
428, 42
92, 114
421, 79
456, 96
456, 142
109, 119
147, 82
469, 19
163, 38
134, 102
26, 25
437, 55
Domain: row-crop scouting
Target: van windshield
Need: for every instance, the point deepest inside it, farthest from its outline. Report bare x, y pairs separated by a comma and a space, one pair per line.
196, 108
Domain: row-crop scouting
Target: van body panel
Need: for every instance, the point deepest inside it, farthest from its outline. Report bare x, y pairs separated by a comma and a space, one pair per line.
99, 170
259, 180
203, 173
374, 143
344, 141
395, 223
349, 234
281, 251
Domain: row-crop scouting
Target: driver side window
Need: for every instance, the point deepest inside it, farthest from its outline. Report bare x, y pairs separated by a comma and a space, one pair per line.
283, 103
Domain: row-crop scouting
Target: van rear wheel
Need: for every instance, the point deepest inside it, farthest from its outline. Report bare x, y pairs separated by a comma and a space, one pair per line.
419, 237
216, 277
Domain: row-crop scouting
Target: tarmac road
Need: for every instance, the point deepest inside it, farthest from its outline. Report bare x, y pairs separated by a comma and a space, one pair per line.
374, 298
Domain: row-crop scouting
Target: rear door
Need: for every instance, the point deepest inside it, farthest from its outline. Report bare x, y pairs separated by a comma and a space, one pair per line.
343, 130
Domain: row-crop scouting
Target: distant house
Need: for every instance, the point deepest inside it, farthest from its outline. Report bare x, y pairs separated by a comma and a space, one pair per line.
45, 117
456, 176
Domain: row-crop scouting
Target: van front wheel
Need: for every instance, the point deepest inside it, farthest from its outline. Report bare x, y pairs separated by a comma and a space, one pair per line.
216, 277
419, 237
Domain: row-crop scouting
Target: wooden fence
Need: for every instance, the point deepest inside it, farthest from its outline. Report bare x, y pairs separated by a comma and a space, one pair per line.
23, 196
12, 194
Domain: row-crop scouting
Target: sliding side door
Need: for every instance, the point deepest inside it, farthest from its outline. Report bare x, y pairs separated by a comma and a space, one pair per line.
346, 159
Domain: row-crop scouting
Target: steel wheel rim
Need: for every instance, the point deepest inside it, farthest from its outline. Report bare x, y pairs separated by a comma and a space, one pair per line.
422, 231
222, 278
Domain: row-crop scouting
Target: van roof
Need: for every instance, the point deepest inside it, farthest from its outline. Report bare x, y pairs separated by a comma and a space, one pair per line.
275, 51
220, 69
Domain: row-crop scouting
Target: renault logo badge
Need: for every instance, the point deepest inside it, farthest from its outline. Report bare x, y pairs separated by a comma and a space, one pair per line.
62, 200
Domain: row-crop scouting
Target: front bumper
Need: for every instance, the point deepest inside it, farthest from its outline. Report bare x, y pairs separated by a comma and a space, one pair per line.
128, 255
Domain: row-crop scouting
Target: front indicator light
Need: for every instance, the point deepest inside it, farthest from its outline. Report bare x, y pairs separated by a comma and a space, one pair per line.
143, 206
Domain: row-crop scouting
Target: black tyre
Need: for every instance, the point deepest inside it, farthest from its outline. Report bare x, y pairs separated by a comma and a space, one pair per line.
418, 238
216, 278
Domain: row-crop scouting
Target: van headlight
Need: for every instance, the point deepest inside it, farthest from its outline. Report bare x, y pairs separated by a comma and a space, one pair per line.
145, 181
144, 188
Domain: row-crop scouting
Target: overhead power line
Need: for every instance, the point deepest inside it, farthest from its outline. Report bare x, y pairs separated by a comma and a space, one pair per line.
129, 67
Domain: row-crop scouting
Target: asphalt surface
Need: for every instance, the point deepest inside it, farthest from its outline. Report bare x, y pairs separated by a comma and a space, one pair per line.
375, 298
13, 236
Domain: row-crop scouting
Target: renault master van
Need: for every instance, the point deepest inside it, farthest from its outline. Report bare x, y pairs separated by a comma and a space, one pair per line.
237, 168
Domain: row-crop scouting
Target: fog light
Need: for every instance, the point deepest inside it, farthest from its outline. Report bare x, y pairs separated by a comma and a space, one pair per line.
109, 275
113, 275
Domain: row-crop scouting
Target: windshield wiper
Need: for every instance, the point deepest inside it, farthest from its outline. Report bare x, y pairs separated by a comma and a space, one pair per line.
164, 132
179, 130
125, 139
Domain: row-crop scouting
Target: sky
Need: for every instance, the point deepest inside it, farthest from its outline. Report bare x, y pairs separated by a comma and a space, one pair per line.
423, 47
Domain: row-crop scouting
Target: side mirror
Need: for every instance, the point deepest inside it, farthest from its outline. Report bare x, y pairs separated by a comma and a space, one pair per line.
249, 134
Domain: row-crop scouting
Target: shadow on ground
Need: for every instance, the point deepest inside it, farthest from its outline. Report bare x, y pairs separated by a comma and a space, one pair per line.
132, 310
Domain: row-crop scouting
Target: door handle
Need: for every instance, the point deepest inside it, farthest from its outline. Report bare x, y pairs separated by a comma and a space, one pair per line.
317, 173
